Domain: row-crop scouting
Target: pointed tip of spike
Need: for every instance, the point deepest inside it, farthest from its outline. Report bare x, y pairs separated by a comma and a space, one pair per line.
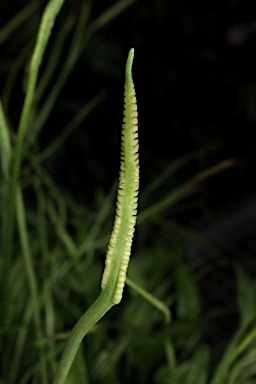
131, 56
128, 71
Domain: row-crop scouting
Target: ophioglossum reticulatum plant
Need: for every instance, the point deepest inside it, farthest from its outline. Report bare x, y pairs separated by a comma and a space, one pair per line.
119, 248
120, 243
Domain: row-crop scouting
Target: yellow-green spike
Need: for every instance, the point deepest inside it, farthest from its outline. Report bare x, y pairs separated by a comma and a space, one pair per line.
119, 248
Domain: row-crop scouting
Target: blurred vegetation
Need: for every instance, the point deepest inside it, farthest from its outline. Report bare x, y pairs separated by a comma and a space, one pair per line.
195, 81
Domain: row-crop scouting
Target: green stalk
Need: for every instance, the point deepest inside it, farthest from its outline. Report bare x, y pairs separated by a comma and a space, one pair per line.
5, 145
47, 22
66, 69
97, 310
119, 248
158, 304
32, 282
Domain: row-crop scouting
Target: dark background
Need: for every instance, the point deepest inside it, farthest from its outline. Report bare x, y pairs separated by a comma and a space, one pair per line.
194, 73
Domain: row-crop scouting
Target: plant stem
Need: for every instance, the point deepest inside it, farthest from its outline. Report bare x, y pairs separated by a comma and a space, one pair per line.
160, 305
31, 276
119, 249
96, 311
51, 11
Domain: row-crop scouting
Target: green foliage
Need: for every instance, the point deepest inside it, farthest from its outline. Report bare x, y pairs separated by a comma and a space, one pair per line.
52, 248
188, 306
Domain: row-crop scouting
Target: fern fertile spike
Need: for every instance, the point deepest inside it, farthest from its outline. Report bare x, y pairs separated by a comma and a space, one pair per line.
119, 248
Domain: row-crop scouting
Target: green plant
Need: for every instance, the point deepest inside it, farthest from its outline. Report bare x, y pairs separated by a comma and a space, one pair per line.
12, 195
121, 239
120, 243
53, 270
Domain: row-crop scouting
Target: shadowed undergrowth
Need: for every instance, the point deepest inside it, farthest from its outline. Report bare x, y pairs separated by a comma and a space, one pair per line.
53, 248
